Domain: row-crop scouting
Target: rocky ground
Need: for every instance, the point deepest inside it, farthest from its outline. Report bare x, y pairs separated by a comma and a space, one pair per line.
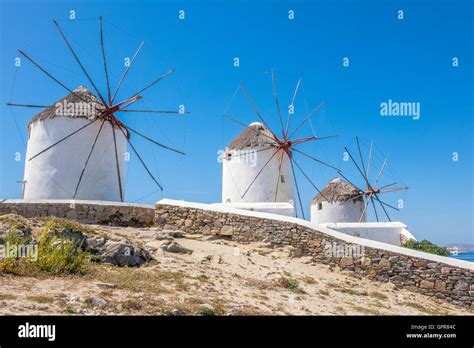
178, 274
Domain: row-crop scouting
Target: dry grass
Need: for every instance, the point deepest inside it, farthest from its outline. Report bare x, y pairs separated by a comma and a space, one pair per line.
378, 295
145, 279
40, 299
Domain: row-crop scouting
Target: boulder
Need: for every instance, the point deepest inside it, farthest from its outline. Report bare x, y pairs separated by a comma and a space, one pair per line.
98, 302
176, 312
226, 230
175, 247
123, 253
13, 223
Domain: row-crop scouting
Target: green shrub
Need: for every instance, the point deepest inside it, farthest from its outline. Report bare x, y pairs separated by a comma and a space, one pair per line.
59, 249
426, 246
206, 311
58, 256
290, 284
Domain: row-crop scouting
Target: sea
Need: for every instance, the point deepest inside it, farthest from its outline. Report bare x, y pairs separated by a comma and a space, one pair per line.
469, 256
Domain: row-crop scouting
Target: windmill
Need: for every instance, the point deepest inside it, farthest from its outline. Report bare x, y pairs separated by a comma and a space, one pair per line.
372, 189
276, 149
105, 118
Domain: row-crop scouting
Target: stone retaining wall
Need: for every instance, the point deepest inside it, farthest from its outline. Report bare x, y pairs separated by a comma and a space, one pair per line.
431, 275
94, 212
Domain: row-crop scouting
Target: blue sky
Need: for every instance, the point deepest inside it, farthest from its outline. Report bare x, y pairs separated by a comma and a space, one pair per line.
407, 60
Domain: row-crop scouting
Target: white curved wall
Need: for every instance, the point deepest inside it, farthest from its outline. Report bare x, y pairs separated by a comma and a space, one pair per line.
279, 208
348, 211
55, 173
239, 171
385, 232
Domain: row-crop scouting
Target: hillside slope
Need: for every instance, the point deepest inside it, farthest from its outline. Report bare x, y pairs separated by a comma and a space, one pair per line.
194, 274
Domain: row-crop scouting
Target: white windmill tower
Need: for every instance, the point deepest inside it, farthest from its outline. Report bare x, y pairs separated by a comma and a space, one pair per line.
76, 147
55, 173
259, 165
244, 159
342, 201
338, 202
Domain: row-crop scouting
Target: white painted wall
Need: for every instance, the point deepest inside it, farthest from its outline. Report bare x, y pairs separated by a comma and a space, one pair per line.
55, 173
280, 208
239, 171
348, 211
385, 232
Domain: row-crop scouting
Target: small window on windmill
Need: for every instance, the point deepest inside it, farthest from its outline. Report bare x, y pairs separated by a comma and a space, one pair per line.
228, 200
282, 179
320, 206
228, 156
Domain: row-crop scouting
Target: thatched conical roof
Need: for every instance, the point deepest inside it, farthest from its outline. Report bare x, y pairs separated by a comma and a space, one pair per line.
254, 135
337, 190
85, 105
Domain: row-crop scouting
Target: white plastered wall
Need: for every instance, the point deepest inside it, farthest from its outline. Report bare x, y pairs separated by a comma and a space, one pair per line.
243, 167
55, 173
279, 208
348, 211
385, 232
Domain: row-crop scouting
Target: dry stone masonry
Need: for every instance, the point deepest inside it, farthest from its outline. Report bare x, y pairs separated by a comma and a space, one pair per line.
93, 212
442, 280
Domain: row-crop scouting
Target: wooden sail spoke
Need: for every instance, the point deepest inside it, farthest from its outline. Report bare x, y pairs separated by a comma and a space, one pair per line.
308, 116
345, 178
252, 151
314, 159
279, 175
255, 110
117, 166
155, 111
109, 99
88, 158
126, 71
79, 62
29, 105
293, 105
395, 189
366, 203
358, 168
380, 172
370, 159
248, 127
375, 209
385, 186
153, 83
44, 71
153, 141
362, 160
297, 188
387, 205
258, 174
140, 158
383, 208
308, 178
278, 105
